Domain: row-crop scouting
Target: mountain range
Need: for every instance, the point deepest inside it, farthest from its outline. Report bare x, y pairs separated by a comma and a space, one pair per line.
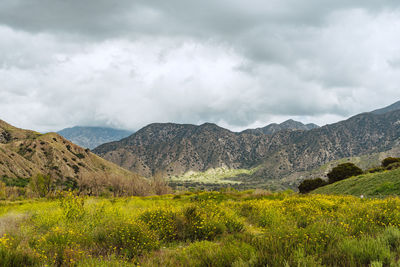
286, 125
174, 149
91, 137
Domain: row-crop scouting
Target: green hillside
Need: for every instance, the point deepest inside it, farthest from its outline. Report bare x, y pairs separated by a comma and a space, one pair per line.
370, 185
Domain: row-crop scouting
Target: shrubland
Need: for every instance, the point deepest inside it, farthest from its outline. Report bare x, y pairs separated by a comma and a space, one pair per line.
249, 228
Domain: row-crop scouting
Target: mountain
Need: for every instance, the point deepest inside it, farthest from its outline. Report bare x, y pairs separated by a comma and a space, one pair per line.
392, 107
177, 148
25, 153
286, 125
91, 137
368, 185
174, 149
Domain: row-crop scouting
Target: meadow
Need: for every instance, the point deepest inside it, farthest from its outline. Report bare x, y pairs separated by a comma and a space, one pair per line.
250, 228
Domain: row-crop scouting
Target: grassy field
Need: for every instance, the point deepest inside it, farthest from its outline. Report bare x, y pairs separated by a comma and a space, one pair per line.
373, 185
252, 228
213, 176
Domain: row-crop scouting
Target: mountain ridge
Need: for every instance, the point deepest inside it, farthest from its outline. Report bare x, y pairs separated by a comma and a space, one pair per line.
174, 149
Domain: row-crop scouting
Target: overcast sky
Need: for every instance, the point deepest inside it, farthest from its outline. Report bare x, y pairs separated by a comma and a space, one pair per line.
236, 63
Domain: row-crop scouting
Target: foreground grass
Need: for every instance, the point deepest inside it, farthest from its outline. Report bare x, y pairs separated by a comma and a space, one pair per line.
202, 229
372, 184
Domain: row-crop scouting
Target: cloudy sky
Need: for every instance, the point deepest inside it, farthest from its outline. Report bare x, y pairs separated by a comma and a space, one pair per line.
236, 63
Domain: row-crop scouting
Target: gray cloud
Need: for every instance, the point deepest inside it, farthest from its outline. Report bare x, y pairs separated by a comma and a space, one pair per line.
238, 63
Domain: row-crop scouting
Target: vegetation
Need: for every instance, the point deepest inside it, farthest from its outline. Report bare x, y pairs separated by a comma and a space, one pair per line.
250, 228
311, 184
343, 171
376, 184
390, 160
213, 176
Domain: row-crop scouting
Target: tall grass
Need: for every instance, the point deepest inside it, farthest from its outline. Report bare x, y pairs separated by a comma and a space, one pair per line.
202, 229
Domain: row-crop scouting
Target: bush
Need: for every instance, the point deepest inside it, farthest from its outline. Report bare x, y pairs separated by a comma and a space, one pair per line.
16, 258
392, 237
166, 223
41, 185
375, 169
393, 166
387, 161
311, 184
343, 171
128, 239
72, 206
364, 251
206, 253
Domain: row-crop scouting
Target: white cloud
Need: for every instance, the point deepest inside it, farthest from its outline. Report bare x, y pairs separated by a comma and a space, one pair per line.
229, 63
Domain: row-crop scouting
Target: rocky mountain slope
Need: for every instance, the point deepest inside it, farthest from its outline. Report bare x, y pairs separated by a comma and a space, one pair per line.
174, 149
25, 153
392, 107
286, 125
91, 137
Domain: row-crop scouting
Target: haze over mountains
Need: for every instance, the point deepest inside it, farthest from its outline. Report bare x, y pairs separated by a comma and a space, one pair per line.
91, 137
174, 149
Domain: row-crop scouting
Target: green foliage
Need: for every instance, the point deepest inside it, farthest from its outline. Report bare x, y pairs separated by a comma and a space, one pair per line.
72, 206
364, 251
18, 182
10, 257
126, 238
387, 161
165, 222
343, 171
311, 184
41, 184
375, 169
206, 253
392, 166
391, 236
237, 229
373, 184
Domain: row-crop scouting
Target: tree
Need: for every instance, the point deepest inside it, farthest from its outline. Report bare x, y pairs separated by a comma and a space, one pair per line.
343, 171
387, 161
41, 184
310, 184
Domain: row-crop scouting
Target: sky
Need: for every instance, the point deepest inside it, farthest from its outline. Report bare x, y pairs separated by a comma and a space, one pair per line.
240, 64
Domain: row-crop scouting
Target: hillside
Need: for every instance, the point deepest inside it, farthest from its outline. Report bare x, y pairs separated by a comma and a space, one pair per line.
369, 185
91, 137
174, 149
25, 153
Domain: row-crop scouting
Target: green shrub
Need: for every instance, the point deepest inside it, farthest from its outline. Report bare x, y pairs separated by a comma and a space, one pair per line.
72, 206
233, 225
15, 258
199, 225
366, 250
311, 184
206, 253
41, 184
387, 161
343, 171
375, 169
393, 166
128, 239
166, 223
392, 237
